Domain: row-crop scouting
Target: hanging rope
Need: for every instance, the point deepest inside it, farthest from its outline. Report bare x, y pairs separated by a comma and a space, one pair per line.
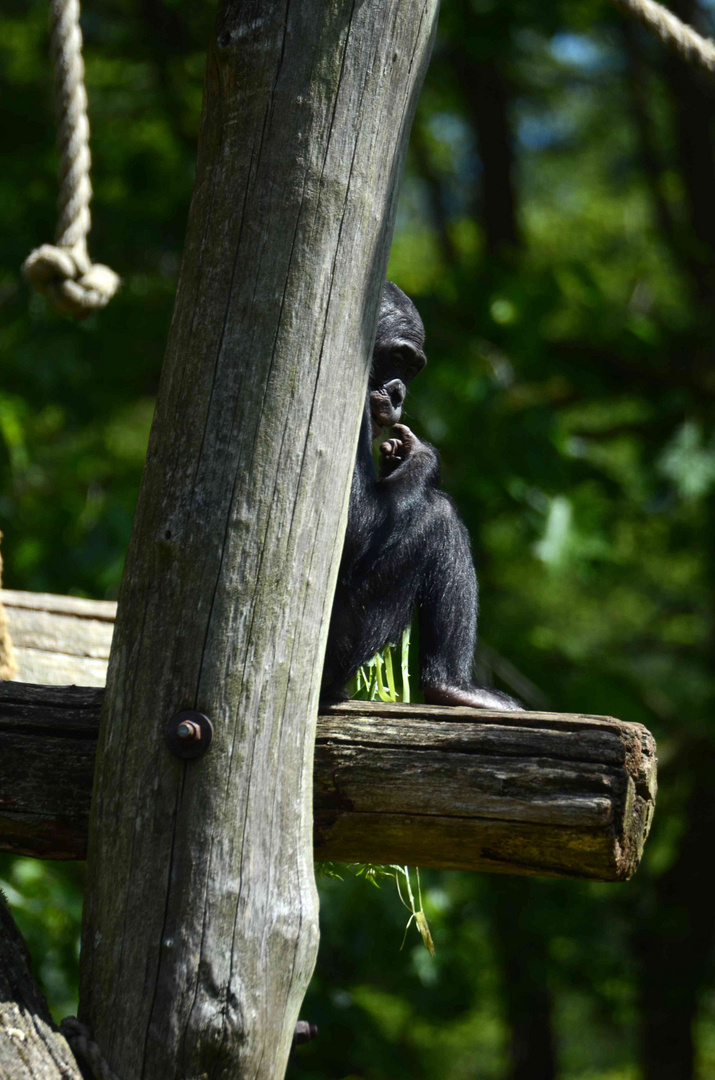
64, 270
672, 32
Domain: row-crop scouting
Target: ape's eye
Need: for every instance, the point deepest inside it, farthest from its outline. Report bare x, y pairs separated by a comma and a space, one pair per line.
404, 361
408, 362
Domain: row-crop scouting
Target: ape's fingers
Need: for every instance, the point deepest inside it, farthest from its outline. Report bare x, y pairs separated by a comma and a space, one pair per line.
408, 438
391, 448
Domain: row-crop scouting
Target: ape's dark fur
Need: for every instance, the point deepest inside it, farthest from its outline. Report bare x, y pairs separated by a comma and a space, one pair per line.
405, 543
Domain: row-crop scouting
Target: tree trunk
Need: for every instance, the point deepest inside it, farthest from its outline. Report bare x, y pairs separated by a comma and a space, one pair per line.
693, 109
486, 93
200, 928
673, 936
31, 1048
674, 924
522, 955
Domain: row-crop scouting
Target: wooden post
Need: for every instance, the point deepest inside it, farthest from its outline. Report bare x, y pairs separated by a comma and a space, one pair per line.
200, 927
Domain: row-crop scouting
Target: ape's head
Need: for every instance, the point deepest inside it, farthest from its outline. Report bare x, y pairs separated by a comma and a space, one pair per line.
398, 356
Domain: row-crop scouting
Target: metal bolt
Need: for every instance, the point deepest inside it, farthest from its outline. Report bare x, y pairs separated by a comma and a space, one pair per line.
304, 1032
189, 734
188, 731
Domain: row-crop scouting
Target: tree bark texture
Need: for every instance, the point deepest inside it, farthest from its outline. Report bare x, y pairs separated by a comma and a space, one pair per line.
527, 793
31, 1048
200, 928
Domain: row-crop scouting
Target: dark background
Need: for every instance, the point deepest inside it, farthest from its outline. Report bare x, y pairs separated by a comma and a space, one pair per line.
557, 231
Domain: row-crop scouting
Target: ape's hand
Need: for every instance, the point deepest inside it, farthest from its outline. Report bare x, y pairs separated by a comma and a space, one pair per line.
395, 452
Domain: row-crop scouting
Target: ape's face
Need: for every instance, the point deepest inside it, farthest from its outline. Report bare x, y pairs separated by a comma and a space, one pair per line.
398, 356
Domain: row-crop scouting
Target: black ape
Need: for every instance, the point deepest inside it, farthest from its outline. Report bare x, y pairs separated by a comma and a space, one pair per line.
405, 543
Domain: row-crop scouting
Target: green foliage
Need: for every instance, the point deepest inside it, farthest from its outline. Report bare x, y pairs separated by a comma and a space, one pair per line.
377, 681
370, 684
46, 901
570, 392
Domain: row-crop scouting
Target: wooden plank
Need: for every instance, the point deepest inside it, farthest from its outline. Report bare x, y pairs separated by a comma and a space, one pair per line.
59, 640
62, 605
60, 633
56, 669
528, 793
536, 793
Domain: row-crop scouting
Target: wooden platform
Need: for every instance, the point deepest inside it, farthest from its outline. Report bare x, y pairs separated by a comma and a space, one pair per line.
531, 793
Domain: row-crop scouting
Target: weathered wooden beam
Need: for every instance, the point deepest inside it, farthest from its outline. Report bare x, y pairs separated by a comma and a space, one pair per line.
59, 640
527, 793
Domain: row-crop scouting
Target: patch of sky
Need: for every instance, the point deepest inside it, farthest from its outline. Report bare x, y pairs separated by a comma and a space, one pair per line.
413, 205
581, 51
708, 7
454, 151
544, 131
451, 129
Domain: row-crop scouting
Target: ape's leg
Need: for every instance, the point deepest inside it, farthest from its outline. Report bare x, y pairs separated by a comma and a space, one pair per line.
448, 605
446, 582
367, 616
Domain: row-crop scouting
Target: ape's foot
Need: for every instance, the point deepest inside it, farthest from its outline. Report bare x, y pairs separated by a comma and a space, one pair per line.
475, 697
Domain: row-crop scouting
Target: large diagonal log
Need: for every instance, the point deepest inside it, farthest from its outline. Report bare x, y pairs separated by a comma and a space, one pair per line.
528, 793
200, 925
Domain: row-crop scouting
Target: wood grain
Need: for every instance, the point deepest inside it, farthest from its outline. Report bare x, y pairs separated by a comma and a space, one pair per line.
201, 921
533, 793
59, 640
529, 793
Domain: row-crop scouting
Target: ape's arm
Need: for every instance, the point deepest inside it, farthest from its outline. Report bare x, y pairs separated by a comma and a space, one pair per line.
447, 591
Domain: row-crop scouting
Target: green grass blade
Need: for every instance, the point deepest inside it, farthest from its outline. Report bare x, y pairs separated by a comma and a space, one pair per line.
390, 674
382, 692
405, 662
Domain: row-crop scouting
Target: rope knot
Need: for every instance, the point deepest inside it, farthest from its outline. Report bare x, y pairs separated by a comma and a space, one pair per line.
73, 284
63, 270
